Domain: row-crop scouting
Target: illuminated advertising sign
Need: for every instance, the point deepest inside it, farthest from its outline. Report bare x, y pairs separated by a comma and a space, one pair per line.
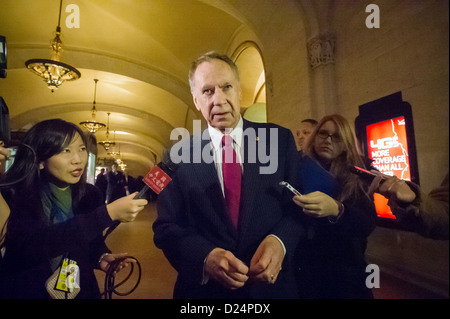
385, 132
388, 148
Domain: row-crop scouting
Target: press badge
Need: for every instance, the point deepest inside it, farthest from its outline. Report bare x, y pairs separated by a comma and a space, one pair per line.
69, 276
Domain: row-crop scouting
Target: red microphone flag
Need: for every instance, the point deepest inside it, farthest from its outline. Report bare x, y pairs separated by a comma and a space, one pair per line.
156, 179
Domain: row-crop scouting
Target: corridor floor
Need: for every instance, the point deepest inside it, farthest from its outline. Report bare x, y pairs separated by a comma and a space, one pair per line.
136, 239
158, 276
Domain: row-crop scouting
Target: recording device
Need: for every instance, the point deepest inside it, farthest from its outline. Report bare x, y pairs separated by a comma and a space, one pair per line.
142, 192
292, 189
3, 57
158, 177
364, 174
152, 180
11, 157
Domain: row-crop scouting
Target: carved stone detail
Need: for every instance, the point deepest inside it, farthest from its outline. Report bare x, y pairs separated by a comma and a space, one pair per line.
321, 49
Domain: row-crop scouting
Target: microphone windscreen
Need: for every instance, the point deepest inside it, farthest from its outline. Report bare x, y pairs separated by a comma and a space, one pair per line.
158, 177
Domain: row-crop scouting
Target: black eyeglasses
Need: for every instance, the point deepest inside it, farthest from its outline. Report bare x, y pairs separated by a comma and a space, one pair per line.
334, 137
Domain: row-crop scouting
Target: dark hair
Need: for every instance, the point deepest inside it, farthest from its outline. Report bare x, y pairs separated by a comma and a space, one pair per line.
207, 57
44, 140
310, 121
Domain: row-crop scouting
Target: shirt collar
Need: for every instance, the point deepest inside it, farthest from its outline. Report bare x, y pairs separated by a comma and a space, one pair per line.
236, 134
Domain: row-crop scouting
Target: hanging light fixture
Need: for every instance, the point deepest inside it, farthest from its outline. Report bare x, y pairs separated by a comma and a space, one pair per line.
113, 153
121, 163
107, 143
92, 125
52, 70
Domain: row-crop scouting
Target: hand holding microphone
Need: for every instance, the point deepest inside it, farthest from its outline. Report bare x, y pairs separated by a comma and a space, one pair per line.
394, 188
157, 178
4, 152
125, 209
389, 186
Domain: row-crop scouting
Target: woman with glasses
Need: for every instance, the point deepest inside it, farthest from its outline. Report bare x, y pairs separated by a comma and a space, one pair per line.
338, 212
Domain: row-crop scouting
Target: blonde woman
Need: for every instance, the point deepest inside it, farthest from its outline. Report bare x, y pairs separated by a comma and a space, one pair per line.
338, 211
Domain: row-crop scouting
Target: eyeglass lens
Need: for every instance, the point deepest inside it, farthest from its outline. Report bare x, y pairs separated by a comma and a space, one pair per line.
324, 135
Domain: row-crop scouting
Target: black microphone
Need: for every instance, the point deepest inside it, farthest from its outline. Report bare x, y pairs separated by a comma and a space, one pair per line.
364, 174
167, 167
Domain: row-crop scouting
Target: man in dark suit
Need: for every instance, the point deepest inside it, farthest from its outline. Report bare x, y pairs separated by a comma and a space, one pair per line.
223, 244
102, 183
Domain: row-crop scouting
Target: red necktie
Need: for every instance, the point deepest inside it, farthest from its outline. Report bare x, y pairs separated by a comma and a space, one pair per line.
231, 178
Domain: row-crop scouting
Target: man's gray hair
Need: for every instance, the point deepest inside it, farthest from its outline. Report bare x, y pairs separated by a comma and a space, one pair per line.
207, 57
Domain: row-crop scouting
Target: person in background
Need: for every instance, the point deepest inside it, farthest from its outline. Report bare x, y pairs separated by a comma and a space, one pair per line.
116, 183
129, 183
223, 225
426, 214
339, 212
101, 181
55, 214
304, 131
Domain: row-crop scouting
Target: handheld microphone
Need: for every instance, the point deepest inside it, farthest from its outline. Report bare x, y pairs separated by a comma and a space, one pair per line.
158, 177
364, 174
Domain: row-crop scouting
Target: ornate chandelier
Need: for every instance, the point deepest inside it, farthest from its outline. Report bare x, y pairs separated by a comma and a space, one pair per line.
113, 153
92, 125
107, 143
121, 164
52, 70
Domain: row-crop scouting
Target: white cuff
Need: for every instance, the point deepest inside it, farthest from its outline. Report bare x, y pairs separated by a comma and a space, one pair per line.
281, 242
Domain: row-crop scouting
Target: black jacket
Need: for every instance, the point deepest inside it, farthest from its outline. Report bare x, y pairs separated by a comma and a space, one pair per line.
31, 242
331, 262
192, 219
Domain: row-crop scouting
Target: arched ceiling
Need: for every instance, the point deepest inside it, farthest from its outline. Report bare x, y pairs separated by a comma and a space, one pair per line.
139, 50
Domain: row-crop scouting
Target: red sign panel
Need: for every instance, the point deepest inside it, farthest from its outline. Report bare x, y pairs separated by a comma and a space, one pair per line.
388, 148
156, 179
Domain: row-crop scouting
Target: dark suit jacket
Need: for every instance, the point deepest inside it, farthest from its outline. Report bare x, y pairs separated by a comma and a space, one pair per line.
192, 219
31, 242
331, 262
